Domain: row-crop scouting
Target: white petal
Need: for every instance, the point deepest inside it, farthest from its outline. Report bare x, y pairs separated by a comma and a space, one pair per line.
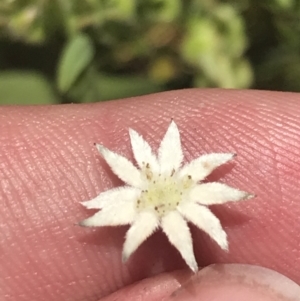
117, 213
201, 167
142, 151
107, 197
216, 193
144, 225
122, 167
179, 235
170, 153
205, 220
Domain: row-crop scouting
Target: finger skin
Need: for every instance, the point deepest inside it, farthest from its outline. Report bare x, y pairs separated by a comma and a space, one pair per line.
217, 282
236, 282
48, 164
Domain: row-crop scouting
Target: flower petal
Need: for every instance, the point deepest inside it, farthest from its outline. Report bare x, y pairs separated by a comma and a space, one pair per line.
142, 151
170, 152
144, 225
201, 167
217, 193
107, 197
121, 212
205, 220
122, 167
179, 235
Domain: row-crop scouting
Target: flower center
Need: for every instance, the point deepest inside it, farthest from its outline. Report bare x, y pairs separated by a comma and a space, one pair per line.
164, 192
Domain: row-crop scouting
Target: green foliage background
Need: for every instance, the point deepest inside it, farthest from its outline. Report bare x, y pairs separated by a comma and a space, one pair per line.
90, 50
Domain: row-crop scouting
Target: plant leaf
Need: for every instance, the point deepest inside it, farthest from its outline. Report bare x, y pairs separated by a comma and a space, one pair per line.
116, 86
25, 88
76, 57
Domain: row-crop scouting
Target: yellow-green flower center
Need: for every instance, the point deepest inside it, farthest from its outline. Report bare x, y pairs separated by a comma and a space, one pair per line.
163, 192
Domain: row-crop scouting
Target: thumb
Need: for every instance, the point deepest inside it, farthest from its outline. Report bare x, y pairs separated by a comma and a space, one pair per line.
230, 282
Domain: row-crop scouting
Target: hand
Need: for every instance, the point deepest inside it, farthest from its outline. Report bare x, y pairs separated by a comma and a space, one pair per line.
49, 164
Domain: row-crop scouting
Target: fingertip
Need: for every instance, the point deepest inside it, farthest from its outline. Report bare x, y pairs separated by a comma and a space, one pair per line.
237, 282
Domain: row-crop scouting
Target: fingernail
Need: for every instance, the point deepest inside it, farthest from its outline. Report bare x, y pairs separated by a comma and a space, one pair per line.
237, 282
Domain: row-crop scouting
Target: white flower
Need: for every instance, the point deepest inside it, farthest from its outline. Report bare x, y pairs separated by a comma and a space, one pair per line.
161, 193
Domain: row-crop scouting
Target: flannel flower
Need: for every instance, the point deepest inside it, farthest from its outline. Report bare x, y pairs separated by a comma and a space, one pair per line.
162, 193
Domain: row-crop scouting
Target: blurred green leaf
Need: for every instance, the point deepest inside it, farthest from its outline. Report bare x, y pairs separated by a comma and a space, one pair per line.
92, 86
114, 87
284, 4
25, 23
160, 10
86, 88
214, 43
25, 88
76, 57
119, 10
177, 43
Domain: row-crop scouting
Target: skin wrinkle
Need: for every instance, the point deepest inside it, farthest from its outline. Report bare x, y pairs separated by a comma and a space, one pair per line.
30, 182
68, 176
7, 195
107, 272
53, 239
283, 163
244, 159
